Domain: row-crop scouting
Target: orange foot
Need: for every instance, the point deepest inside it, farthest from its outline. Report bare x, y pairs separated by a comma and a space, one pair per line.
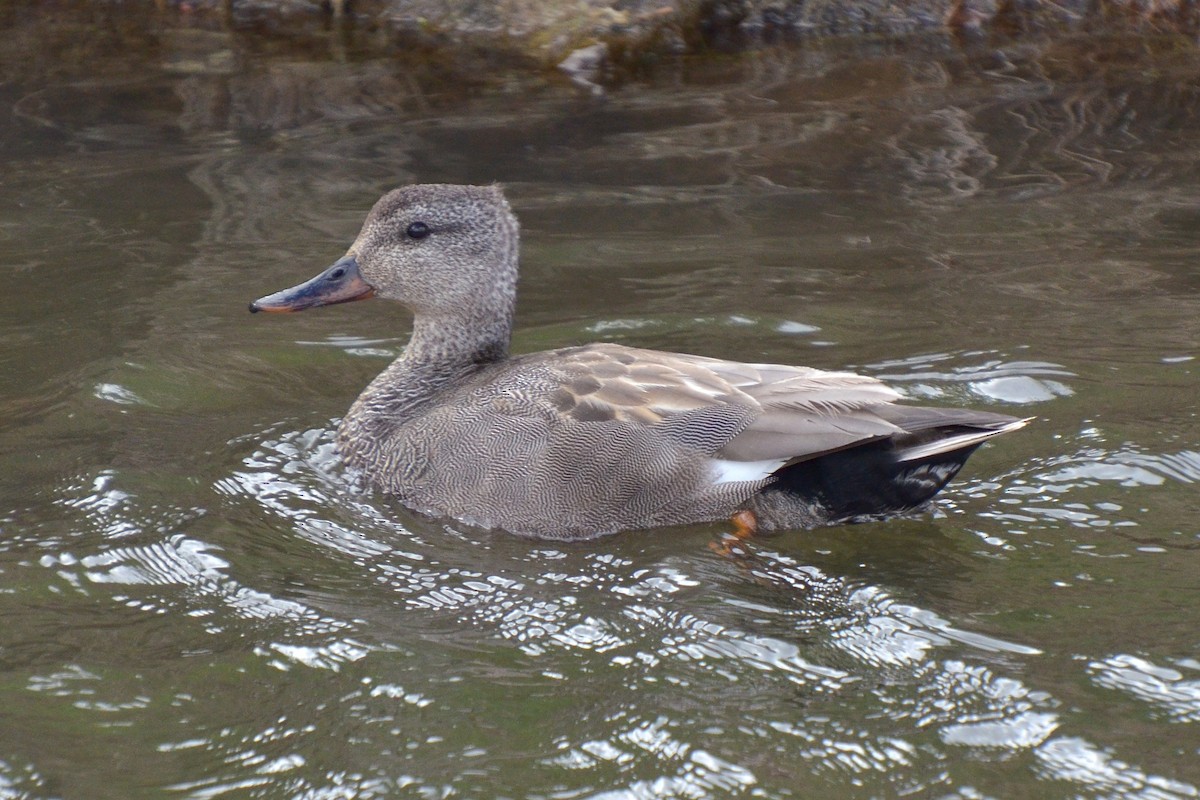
744, 525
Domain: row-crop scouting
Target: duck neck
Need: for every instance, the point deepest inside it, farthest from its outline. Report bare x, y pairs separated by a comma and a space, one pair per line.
449, 344
441, 353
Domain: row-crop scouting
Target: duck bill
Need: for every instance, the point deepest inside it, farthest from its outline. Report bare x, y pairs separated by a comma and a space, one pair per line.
341, 283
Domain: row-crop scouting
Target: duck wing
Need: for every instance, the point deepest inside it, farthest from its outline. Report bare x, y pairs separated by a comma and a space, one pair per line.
761, 414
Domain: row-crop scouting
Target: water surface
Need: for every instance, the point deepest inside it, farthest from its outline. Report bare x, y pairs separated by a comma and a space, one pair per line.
197, 603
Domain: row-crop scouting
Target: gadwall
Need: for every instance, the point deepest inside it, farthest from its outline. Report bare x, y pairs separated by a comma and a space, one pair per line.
584, 441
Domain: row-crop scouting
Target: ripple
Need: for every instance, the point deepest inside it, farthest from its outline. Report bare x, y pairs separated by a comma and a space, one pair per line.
970, 705
299, 476
294, 475
114, 513
116, 393
1018, 389
1053, 493
1019, 732
20, 782
605, 326
1183, 466
1164, 688
874, 627
174, 572
685, 770
360, 346
1128, 467
330, 655
71, 681
995, 379
180, 561
1080, 762
831, 746
702, 642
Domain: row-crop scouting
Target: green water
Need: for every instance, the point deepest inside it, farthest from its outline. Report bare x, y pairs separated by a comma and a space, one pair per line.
197, 604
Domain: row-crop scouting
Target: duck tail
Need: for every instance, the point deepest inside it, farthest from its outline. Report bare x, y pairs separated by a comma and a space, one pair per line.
896, 475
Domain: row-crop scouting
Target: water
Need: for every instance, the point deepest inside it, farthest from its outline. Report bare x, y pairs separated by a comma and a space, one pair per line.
197, 603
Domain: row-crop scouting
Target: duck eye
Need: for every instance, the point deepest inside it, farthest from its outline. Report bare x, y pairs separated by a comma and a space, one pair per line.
418, 230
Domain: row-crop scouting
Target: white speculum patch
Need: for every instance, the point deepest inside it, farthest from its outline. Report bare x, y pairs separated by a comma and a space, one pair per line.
741, 471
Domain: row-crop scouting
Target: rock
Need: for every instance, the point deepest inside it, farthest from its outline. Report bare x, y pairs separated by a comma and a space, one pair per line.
590, 39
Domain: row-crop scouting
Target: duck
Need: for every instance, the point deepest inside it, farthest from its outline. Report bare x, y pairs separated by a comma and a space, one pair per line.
587, 440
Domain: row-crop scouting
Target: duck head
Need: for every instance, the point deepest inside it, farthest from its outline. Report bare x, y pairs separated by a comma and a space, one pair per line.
441, 250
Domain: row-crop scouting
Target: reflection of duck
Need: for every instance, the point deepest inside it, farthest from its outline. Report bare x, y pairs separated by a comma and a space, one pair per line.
578, 442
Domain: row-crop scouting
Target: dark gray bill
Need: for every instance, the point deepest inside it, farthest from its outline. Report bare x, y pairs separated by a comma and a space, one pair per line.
341, 283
